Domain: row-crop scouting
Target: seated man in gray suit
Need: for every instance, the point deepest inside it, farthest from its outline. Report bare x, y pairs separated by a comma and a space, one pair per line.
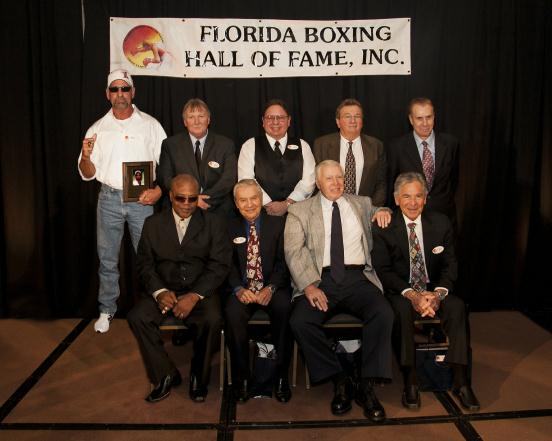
327, 243
210, 158
415, 260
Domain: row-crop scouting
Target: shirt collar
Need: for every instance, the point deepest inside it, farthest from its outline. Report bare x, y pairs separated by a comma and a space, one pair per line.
272, 141
429, 139
201, 140
407, 221
135, 114
326, 203
177, 218
346, 141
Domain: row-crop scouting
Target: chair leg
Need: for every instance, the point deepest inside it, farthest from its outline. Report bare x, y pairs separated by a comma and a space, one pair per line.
294, 365
221, 368
228, 367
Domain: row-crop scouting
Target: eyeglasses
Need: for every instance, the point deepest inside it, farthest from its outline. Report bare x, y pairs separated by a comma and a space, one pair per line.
115, 89
351, 117
273, 118
183, 199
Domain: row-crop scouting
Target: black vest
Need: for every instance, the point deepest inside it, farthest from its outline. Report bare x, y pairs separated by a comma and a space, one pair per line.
276, 174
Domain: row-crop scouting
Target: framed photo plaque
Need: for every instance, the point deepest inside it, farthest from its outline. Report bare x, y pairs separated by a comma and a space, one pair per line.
137, 177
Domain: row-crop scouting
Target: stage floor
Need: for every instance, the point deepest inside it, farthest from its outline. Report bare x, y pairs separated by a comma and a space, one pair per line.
61, 381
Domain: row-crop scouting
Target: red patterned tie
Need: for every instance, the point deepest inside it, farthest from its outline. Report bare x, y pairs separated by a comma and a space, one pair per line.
350, 171
428, 165
254, 267
418, 279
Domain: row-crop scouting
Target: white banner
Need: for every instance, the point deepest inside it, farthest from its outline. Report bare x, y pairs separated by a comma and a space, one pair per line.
247, 48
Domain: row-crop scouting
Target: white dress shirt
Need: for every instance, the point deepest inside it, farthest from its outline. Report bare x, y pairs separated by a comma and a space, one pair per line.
357, 153
134, 139
246, 167
353, 249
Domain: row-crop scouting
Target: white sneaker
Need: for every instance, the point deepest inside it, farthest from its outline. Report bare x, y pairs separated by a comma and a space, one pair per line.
102, 324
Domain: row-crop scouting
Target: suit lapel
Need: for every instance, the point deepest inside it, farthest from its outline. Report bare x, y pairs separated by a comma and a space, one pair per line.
187, 154
440, 150
241, 248
412, 152
317, 230
194, 227
333, 149
401, 234
430, 242
170, 227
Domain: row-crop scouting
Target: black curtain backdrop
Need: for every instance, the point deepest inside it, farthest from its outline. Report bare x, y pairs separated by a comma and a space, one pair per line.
485, 64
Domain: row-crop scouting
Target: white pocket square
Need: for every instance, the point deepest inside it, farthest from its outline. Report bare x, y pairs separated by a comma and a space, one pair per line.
438, 250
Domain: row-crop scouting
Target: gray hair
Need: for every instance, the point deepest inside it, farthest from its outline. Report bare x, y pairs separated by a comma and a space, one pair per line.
407, 178
195, 103
326, 163
242, 183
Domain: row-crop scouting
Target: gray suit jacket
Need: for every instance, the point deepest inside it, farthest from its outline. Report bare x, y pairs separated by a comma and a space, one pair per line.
374, 173
304, 240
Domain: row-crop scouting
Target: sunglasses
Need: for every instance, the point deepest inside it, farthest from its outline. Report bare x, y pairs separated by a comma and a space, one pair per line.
182, 199
115, 89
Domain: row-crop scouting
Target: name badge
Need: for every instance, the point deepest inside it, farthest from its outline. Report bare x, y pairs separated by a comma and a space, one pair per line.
438, 250
293, 147
213, 164
238, 240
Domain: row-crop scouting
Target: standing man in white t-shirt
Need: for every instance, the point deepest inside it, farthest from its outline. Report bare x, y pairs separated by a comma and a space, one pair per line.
124, 134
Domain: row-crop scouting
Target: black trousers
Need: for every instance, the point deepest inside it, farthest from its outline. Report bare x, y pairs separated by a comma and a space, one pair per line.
204, 320
238, 314
356, 295
452, 313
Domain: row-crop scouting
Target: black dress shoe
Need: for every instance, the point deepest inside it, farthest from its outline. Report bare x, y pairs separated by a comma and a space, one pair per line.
163, 389
411, 396
241, 391
282, 391
366, 398
198, 391
467, 398
343, 395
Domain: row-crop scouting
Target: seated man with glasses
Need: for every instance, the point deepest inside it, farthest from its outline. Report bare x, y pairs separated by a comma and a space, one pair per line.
282, 165
361, 156
183, 257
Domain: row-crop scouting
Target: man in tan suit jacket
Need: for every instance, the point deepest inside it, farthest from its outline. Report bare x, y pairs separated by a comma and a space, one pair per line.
361, 156
327, 243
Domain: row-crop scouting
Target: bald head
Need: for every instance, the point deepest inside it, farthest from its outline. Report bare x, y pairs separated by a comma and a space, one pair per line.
179, 180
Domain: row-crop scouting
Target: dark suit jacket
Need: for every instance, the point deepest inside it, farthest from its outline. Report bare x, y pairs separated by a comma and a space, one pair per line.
219, 167
373, 180
199, 264
391, 258
403, 156
271, 240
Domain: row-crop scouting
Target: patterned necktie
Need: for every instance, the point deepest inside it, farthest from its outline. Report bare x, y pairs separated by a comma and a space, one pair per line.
428, 165
337, 255
277, 149
418, 279
350, 171
198, 157
254, 268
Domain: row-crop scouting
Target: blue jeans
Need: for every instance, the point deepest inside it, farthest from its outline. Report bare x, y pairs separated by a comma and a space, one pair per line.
111, 216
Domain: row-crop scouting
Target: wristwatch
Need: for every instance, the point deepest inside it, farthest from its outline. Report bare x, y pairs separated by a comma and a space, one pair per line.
272, 289
441, 294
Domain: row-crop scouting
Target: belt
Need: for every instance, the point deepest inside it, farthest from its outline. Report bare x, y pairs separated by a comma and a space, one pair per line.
347, 268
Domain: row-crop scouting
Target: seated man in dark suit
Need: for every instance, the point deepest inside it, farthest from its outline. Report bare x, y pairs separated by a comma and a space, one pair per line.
183, 257
259, 279
415, 261
204, 154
